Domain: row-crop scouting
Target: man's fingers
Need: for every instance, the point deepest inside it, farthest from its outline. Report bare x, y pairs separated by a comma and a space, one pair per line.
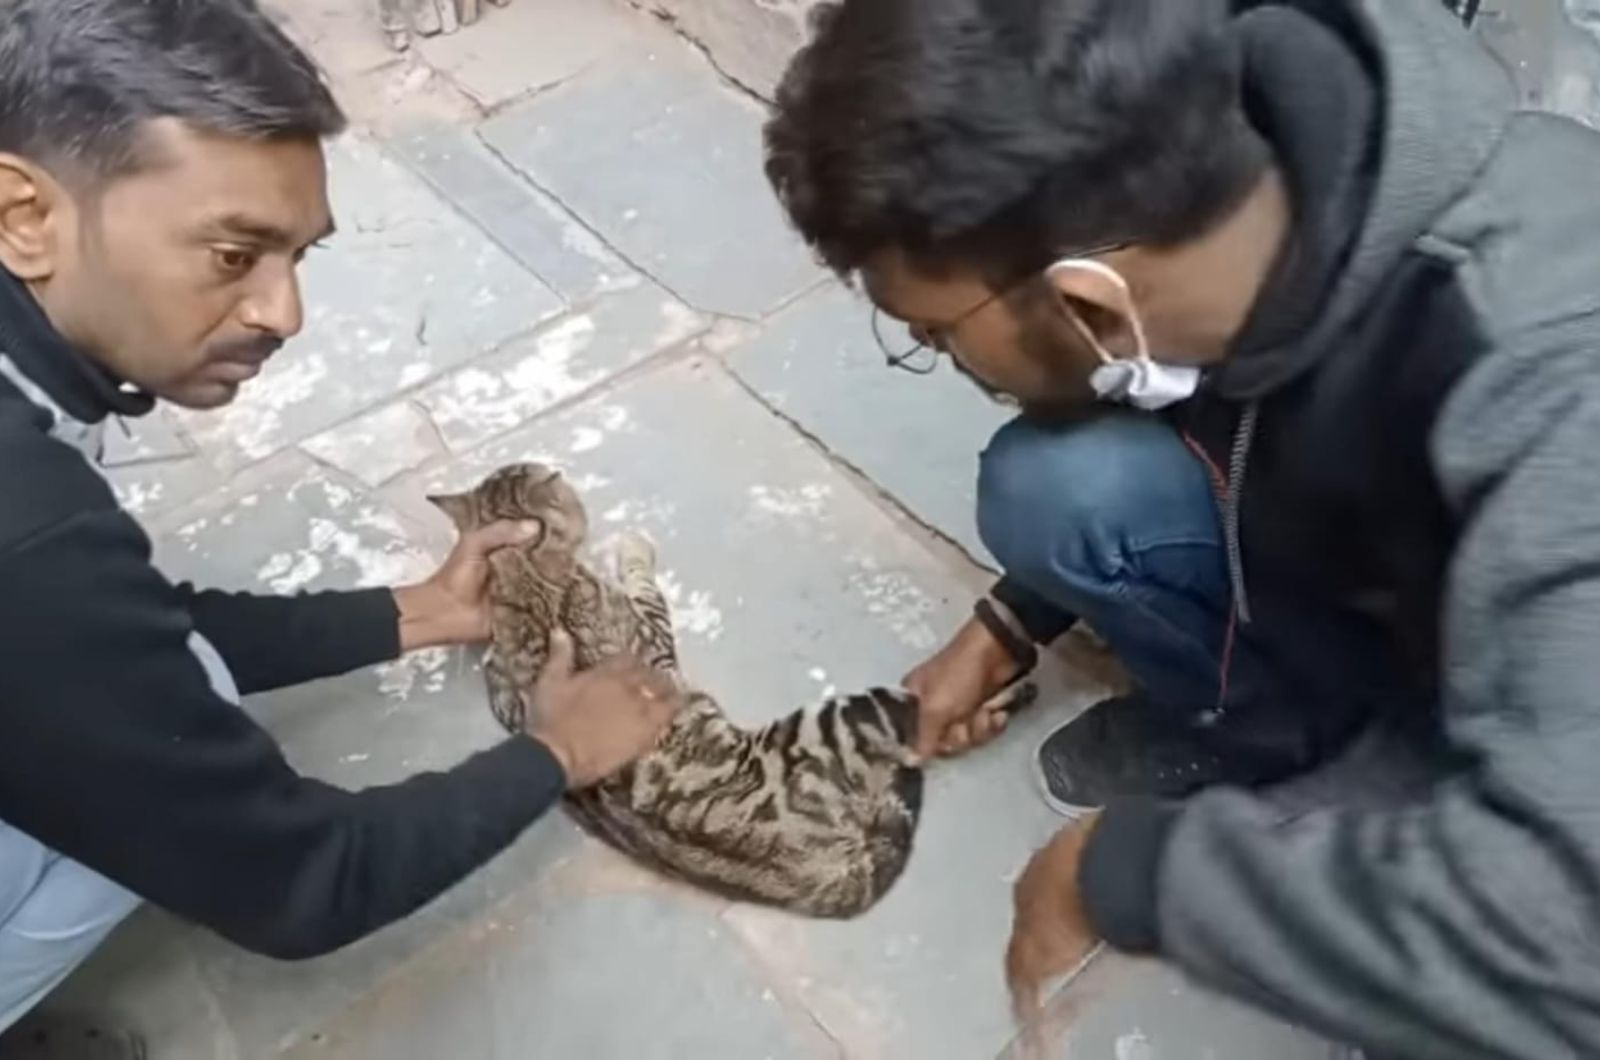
965, 736
558, 666
930, 736
629, 668
988, 725
957, 738
662, 711
495, 536
659, 684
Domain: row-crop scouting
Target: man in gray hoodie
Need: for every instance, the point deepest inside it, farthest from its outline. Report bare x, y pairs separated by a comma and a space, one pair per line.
1304, 316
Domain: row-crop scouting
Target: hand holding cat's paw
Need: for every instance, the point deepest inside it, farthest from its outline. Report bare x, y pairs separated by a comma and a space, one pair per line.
952, 689
599, 721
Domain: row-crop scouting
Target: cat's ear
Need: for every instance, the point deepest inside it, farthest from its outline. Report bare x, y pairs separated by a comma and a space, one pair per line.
458, 506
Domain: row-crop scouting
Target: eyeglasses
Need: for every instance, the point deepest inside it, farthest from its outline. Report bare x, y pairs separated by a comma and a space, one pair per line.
922, 356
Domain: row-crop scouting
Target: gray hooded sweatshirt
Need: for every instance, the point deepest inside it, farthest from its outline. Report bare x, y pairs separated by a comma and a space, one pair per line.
1438, 423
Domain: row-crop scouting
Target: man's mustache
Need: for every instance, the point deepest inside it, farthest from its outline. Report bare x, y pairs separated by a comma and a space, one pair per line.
249, 351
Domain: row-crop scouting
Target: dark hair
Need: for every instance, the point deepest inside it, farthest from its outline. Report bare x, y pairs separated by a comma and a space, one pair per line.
78, 78
1001, 132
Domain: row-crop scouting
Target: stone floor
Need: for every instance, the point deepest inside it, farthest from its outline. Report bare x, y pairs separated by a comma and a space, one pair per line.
555, 242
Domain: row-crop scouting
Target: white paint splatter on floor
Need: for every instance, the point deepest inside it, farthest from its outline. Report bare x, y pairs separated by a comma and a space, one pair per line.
693, 612
893, 597
475, 403
656, 510
808, 501
284, 573
424, 671
1135, 1046
254, 423
136, 497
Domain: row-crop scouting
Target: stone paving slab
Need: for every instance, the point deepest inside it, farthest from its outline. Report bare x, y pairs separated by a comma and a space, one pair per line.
326, 26
918, 437
1124, 1009
404, 292
380, 445
660, 158
150, 488
153, 465
570, 355
526, 47
497, 393
606, 972
749, 40
155, 438
530, 225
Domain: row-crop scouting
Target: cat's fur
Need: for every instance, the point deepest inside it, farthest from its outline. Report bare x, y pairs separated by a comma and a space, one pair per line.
814, 813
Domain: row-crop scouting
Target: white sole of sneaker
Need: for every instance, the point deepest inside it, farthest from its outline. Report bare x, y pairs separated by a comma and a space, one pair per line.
1064, 809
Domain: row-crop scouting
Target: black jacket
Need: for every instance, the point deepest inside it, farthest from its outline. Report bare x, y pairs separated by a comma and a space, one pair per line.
114, 747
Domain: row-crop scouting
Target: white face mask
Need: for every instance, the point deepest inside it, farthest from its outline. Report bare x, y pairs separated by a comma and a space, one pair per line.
1139, 380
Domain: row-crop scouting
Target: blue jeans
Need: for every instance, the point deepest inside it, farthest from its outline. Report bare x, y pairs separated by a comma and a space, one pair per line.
1115, 520
54, 911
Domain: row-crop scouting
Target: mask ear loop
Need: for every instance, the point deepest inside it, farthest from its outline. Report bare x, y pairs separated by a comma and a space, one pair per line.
1117, 280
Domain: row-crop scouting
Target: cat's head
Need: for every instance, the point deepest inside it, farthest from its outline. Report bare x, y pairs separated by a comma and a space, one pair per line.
524, 493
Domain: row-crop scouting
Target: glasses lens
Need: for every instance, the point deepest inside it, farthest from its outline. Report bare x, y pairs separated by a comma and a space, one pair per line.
921, 360
908, 354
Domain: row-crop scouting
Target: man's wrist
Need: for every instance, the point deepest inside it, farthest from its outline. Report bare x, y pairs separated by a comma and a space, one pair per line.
420, 623
562, 756
997, 619
994, 658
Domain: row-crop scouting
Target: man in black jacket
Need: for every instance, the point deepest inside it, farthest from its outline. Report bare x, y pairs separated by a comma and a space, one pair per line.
1305, 314
161, 176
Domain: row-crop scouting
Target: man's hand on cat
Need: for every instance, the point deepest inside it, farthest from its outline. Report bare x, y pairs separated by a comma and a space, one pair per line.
452, 607
952, 688
1050, 932
601, 720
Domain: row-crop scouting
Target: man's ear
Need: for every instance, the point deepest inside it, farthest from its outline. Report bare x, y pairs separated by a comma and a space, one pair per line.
31, 205
458, 506
1098, 301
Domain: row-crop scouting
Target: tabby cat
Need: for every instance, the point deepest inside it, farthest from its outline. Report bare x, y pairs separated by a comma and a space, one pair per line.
814, 813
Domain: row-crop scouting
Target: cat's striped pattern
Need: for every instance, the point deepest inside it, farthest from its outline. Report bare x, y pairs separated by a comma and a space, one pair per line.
814, 813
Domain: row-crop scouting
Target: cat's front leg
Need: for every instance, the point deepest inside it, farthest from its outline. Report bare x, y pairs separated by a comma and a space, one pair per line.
513, 663
653, 639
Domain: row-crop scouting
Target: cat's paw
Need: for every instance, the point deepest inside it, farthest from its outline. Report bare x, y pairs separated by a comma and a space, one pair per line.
631, 553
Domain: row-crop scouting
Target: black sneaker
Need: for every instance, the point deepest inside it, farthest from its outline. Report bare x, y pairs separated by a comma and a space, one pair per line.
1124, 748
50, 1035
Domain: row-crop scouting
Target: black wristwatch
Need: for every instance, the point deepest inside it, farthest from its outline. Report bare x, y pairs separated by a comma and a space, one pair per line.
1006, 630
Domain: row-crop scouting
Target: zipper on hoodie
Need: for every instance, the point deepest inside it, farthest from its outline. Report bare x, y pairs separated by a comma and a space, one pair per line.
1228, 487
